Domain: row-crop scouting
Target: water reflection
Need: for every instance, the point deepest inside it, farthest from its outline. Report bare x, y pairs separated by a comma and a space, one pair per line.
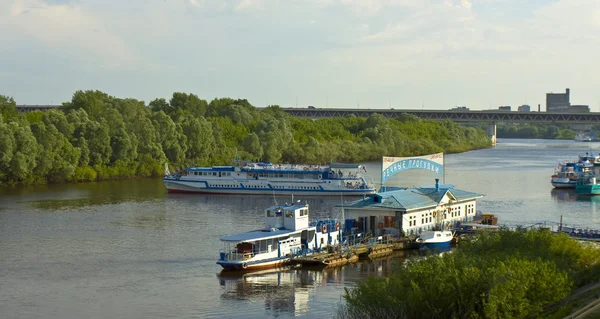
564, 194
72, 196
570, 195
288, 290
281, 290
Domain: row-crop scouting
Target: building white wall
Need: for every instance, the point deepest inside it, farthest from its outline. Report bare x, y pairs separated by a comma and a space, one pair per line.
445, 215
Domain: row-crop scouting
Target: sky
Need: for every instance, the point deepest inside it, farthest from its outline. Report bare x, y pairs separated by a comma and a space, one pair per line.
411, 54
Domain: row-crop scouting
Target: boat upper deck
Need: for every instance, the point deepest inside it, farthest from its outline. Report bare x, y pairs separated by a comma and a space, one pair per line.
262, 234
268, 167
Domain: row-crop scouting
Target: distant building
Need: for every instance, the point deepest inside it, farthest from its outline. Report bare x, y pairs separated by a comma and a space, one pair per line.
524, 108
558, 102
579, 108
504, 108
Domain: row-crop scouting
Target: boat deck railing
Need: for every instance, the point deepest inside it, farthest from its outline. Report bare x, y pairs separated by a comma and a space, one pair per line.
236, 255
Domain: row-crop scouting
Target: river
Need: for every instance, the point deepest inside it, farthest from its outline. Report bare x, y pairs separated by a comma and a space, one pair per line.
127, 249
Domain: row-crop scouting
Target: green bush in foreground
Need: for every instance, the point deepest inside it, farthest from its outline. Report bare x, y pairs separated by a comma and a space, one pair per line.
498, 275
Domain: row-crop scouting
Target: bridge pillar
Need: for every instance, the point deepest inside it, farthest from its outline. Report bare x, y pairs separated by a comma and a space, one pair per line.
492, 132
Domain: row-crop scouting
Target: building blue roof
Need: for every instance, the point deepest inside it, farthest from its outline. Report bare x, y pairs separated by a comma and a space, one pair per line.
410, 198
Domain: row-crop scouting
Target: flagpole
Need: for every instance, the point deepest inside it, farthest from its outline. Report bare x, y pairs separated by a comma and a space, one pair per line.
381, 185
444, 167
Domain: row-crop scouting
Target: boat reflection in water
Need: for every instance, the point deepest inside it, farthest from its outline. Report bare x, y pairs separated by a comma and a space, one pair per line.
570, 195
287, 291
283, 290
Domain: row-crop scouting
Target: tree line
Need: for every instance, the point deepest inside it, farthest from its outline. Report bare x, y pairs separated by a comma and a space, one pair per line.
96, 136
506, 274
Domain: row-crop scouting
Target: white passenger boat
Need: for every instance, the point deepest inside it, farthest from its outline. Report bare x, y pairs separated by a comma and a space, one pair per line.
266, 178
287, 233
435, 238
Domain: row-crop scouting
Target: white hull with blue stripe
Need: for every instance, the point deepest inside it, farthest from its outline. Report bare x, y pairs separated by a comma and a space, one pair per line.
435, 239
267, 179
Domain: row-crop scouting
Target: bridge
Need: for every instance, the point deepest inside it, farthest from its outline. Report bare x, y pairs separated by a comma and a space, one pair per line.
457, 116
488, 116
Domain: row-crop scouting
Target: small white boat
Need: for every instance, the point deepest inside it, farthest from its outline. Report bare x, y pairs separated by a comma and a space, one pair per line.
582, 138
435, 238
287, 233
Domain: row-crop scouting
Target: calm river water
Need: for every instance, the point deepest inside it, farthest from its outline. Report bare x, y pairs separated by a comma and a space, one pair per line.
127, 249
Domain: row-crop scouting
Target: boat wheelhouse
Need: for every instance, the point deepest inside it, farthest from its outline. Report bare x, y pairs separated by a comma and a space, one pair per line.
264, 178
287, 233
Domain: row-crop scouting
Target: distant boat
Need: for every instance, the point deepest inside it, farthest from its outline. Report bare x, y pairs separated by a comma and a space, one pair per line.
265, 178
566, 174
582, 138
435, 238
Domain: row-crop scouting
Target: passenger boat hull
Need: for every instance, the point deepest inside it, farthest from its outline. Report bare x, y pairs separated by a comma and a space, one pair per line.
310, 189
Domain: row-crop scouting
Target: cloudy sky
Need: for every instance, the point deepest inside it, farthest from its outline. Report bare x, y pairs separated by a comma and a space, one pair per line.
431, 54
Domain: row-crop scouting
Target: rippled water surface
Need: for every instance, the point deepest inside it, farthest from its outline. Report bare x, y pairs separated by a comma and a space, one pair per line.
127, 249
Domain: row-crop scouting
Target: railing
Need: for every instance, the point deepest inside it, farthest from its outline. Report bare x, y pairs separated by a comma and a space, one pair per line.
233, 255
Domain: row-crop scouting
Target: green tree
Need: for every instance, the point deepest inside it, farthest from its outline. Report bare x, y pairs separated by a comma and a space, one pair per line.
252, 146
8, 108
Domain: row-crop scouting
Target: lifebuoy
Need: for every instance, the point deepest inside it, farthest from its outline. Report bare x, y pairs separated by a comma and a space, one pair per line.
324, 228
244, 265
337, 226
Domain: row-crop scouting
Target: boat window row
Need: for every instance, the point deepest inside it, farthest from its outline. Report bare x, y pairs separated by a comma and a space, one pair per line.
223, 185
283, 175
211, 173
296, 187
